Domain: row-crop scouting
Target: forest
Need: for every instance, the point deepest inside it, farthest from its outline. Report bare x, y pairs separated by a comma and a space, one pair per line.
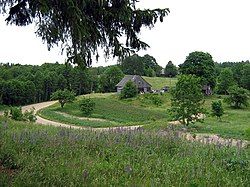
26, 84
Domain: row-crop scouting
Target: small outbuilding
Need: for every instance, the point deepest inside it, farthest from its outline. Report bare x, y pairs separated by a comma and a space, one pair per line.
207, 90
141, 84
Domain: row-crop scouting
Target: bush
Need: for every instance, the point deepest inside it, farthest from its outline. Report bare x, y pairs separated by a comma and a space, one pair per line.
16, 113
238, 97
154, 99
87, 106
30, 115
129, 90
217, 109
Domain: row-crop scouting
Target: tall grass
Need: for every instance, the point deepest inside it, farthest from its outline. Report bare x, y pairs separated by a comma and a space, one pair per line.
47, 156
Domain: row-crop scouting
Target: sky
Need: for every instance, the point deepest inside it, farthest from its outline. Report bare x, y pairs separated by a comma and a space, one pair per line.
219, 27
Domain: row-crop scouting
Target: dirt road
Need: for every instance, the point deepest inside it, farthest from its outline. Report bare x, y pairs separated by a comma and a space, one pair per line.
42, 121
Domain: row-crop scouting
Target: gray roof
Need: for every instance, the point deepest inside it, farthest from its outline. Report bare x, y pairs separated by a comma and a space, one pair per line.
138, 80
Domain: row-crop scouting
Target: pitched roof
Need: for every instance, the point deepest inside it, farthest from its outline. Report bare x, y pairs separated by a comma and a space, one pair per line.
138, 80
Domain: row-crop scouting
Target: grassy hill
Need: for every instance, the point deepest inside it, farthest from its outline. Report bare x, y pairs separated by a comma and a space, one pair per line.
159, 82
109, 107
142, 110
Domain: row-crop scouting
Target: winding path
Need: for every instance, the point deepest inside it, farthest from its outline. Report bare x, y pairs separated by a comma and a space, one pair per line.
42, 121
203, 138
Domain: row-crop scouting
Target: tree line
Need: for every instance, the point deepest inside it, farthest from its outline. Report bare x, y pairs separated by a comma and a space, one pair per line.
25, 84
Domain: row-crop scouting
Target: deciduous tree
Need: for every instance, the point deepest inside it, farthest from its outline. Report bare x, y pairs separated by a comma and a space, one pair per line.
225, 80
63, 96
237, 97
108, 80
170, 70
187, 99
202, 65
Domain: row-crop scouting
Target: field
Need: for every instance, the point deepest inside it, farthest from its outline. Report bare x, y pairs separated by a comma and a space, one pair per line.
143, 111
48, 156
114, 111
159, 82
150, 156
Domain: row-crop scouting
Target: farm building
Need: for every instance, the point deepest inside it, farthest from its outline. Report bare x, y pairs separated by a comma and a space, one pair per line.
142, 85
207, 90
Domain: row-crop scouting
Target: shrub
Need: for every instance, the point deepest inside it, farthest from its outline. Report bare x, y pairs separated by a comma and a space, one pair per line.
238, 97
16, 113
154, 99
129, 90
217, 109
30, 115
87, 106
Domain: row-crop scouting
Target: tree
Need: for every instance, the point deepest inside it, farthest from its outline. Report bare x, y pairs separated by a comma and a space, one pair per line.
187, 99
237, 97
129, 90
110, 78
133, 65
202, 65
217, 109
151, 67
149, 72
83, 26
245, 79
225, 80
170, 70
64, 96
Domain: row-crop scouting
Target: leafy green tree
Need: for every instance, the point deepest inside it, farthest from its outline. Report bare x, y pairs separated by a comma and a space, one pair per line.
129, 90
202, 65
225, 80
149, 72
87, 106
217, 109
245, 79
237, 97
110, 78
170, 70
133, 65
64, 96
187, 99
83, 26
151, 67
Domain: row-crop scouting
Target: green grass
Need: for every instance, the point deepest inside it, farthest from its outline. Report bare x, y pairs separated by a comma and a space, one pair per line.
109, 107
32, 155
160, 82
234, 124
141, 111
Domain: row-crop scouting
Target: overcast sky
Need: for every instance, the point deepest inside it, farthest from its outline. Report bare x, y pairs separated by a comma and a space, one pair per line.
220, 27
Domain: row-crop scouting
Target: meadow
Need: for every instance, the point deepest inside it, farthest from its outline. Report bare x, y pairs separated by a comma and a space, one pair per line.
33, 155
143, 110
109, 107
160, 82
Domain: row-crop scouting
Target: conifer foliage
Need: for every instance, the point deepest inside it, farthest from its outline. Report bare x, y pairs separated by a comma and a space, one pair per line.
81, 26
